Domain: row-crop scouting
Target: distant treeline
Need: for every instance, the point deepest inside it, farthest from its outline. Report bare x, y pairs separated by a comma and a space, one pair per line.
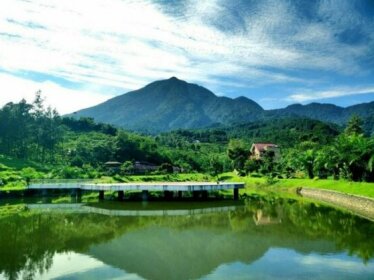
286, 132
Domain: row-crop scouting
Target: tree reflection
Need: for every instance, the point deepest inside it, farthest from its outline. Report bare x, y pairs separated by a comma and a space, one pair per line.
30, 239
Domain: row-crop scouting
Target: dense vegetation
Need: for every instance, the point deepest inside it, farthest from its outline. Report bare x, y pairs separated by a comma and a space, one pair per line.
36, 142
309, 148
52, 146
286, 132
350, 155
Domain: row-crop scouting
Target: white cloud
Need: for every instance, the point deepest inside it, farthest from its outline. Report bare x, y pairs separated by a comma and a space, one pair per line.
310, 95
349, 265
64, 100
72, 265
126, 43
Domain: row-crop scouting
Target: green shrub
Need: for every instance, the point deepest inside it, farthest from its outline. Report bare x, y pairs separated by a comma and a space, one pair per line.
29, 173
3, 167
69, 172
16, 184
118, 178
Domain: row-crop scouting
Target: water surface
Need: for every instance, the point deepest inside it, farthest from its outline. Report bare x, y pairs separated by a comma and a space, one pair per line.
263, 238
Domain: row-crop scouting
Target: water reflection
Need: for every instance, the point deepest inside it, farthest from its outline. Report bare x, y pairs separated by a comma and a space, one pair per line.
264, 238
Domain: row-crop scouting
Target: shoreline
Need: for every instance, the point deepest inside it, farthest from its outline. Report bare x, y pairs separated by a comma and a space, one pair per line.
359, 205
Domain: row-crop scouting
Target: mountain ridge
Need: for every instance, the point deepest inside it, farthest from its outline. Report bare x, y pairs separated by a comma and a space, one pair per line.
171, 104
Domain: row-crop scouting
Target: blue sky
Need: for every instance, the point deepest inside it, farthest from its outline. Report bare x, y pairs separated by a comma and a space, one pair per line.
80, 53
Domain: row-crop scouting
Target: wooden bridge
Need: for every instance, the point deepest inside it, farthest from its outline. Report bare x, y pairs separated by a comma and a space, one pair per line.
197, 189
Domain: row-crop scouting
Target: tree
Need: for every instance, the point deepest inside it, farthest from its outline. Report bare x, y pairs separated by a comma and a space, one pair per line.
238, 152
38, 105
267, 163
326, 163
354, 126
215, 166
166, 168
353, 153
307, 157
251, 165
16, 129
127, 167
49, 133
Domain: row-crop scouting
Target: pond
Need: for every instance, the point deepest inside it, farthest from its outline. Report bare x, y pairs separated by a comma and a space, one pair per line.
260, 238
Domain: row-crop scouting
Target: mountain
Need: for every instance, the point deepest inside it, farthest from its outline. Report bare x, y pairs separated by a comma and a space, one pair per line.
326, 112
172, 104
175, 104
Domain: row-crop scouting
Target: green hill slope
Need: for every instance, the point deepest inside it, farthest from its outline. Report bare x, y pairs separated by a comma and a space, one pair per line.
175, 104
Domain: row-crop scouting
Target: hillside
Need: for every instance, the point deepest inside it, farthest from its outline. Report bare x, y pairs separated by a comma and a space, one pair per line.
326, 112
286, 132
175, 104
172, 104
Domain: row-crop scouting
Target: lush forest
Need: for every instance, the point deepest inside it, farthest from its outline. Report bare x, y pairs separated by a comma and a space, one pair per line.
52, 146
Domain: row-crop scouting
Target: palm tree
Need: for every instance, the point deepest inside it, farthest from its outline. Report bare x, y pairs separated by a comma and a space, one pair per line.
354, 152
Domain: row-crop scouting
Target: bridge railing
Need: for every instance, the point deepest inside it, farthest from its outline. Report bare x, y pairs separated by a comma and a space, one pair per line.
60, 181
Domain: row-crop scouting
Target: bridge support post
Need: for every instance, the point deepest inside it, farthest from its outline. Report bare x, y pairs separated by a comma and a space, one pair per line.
121, 195
79, 195
236, 194
180, 194
44, 192
76, 193
101, 195
168, 195
195, 194
45, 197
145, 195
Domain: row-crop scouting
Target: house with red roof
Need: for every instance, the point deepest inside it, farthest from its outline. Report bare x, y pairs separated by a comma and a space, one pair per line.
258, 150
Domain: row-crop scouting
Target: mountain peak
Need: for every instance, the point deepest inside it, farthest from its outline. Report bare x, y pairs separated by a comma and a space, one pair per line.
173, 79
243, 99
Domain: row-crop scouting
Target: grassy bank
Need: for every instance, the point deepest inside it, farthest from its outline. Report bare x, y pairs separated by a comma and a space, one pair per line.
259, 185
